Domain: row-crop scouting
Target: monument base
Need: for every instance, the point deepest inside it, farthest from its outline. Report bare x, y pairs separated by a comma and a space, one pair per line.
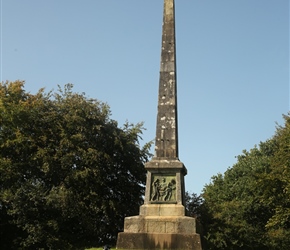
160, 224
159, 232
159, 241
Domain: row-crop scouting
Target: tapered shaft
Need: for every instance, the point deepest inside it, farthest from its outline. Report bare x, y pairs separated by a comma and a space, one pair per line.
166, 144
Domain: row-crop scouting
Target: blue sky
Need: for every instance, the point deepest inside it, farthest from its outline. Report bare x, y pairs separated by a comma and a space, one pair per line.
232, 66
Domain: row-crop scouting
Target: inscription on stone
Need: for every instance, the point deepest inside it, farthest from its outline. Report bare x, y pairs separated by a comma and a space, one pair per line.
163, 188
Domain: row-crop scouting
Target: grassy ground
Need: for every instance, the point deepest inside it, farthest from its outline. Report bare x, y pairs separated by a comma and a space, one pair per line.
95, 248
99, 248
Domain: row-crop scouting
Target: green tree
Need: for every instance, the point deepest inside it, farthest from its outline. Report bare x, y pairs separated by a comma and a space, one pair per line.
247, 207
68, 174
193, 203
276, 186
194, 206
234, 215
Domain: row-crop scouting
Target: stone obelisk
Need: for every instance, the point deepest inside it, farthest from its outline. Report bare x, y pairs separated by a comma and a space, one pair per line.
162, 223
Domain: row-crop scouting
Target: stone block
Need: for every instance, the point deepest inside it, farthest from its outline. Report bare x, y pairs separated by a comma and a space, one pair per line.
162, 210
158, 241
160, 224
163, 163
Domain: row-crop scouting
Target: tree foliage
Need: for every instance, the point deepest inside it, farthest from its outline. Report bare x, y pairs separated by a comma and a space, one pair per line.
248, 207
68, 174
193, 204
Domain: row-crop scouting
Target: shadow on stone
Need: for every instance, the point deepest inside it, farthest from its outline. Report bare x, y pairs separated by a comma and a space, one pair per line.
158, 241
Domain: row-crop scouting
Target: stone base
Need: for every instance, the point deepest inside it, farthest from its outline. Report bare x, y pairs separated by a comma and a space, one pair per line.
159, 241
162, 210
160, 224
159, 232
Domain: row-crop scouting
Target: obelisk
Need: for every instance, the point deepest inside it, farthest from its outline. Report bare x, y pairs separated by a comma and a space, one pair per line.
162, 223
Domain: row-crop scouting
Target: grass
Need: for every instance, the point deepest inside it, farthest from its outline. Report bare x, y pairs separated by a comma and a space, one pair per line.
100, 248
113, 248
94, 248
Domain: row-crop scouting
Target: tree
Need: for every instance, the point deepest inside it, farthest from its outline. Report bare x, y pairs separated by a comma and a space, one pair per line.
194, 206
234, 215
193, 203
276, 186
247, 207
68, 174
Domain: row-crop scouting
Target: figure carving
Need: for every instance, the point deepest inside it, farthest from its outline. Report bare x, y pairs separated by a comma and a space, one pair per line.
161, 190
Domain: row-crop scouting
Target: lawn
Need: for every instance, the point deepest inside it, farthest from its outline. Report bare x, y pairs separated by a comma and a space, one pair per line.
100, 248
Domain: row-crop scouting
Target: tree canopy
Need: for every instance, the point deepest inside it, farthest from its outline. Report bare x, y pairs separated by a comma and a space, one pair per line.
248, 207
68, 174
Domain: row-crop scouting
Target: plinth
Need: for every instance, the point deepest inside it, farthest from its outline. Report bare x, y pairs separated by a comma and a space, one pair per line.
161, 223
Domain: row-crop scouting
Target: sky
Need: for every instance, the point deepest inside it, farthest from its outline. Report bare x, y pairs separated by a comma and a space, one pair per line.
232, 66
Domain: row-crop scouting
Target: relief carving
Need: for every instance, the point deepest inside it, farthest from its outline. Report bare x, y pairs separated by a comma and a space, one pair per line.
163, 189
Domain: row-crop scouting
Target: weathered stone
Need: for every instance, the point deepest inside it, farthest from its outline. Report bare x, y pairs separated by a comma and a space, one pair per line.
166, 143
162, 210
162, 223
159, 167
158, 241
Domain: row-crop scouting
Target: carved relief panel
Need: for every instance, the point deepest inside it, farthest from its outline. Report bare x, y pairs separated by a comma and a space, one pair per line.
163, 188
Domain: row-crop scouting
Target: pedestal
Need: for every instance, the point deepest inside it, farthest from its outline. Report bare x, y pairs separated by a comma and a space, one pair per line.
161, 223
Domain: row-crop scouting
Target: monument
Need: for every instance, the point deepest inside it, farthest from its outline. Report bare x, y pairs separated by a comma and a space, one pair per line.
161, 223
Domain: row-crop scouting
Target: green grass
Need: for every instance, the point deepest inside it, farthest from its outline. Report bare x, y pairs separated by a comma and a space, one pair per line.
113, 248
100, 248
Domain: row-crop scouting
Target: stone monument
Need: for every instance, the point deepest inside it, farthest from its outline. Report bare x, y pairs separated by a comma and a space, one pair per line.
161, 223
